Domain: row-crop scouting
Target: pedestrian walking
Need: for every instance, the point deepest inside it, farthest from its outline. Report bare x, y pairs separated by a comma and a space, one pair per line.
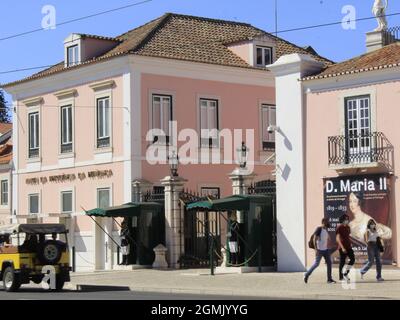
320, 241
374, 247
345, 249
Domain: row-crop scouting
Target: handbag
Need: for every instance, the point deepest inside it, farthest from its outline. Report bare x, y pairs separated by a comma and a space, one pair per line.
379, 243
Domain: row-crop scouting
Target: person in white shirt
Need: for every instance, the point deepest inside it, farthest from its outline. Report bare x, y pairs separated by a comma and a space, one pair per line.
372, 239
322, 250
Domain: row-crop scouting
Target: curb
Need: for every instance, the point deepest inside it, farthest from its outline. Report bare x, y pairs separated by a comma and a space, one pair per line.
219, 292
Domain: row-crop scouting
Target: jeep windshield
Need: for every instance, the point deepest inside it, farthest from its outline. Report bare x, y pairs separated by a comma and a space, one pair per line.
33, 229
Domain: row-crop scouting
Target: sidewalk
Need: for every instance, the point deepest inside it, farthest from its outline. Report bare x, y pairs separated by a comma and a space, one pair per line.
268, 285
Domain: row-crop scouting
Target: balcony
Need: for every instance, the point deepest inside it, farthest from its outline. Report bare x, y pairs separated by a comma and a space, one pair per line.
371, 150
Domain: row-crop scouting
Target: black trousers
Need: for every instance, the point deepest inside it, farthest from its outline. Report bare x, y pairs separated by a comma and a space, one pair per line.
234, 258
124, 260
349, 254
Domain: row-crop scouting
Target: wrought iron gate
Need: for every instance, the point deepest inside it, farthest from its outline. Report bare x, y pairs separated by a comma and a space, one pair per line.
268, 187
200, 228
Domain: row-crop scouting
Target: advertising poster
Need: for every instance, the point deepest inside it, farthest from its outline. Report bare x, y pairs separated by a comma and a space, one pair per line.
362, 198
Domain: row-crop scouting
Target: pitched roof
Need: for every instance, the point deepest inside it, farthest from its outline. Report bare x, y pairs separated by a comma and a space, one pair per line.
5, 127
93, 36
187, 38
384, 58
5, 153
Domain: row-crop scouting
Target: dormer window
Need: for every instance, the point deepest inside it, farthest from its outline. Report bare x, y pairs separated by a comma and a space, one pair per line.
72, 55
263, 56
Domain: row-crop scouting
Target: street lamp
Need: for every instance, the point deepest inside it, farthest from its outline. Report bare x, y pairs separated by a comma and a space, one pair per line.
243, 154
173, 163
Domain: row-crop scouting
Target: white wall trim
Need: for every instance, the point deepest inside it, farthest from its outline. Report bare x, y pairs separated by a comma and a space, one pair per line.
76, 165
70, 79
352, 80
127, 130
202, 71
136, 127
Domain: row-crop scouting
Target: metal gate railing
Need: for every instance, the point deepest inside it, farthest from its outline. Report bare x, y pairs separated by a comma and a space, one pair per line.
198, 229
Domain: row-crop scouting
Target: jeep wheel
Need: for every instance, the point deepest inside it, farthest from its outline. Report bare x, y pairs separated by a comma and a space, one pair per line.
50, 252
11, 280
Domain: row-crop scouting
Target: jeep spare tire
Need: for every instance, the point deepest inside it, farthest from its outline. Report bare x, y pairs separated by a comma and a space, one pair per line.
50, 252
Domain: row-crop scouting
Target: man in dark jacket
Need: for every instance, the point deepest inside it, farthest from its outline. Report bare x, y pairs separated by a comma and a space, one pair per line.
345, 249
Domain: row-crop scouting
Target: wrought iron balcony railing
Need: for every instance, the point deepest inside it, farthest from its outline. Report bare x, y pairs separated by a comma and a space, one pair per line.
360, 149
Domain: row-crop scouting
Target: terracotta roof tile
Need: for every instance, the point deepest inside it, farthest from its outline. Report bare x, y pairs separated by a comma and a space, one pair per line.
5, 127
5, 153
185, 38
387, 57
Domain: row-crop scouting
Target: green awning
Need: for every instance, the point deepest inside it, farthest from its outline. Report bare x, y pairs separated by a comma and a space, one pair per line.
126, 210
237, 202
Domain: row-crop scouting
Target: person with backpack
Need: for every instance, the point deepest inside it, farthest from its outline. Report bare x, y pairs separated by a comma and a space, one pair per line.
345, 248
320, 242
374, 248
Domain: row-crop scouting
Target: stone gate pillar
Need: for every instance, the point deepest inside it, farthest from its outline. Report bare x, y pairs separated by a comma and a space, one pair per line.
173, 236
241, 181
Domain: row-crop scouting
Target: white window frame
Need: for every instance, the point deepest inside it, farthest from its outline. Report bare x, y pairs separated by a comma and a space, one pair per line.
36, 131
75, 55
4, 191
217, 121
271, 136
103, 189
263, 48
358, 140
70, 139
205, 188
29, 203
72, 201
109, 135
168, 130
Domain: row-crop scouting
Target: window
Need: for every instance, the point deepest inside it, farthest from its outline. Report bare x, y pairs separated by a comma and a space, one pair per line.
209, 123
4, 192
34, 135
103, 122
264, 56
103, 198
66, 202
66, 129
210, 192
72, 55
268, 118
358, 125
33, 203
161, 117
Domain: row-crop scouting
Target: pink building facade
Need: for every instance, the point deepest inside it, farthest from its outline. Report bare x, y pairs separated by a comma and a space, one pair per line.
346, 159
81, 129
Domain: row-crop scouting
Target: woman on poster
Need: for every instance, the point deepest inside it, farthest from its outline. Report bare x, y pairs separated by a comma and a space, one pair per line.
358, 225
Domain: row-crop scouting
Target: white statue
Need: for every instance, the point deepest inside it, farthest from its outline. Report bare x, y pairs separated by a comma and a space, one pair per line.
379, 10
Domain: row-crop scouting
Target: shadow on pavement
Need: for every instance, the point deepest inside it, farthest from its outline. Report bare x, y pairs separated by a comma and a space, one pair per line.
97, 288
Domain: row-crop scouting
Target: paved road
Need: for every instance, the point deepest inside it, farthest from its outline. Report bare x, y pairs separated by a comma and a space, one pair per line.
38, 294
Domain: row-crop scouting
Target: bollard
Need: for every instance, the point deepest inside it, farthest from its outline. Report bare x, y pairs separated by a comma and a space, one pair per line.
73, 260
118, 256
212, 256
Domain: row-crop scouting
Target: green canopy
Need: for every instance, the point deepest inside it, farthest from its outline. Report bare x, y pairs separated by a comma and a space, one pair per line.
126, 210
237, 202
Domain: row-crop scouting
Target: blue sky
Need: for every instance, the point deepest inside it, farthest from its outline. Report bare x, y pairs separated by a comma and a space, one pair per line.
46, 47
